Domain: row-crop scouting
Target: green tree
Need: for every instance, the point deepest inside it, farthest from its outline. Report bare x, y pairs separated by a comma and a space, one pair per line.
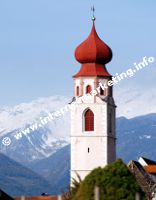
114, 181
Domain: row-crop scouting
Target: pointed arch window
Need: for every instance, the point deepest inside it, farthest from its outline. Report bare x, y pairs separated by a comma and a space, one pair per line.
89, 120
77, 91
88, 89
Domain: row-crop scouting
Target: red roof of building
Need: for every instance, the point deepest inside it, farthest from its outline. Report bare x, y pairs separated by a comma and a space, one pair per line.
150, 169
37, 198
93, 50
92, 69
40, 198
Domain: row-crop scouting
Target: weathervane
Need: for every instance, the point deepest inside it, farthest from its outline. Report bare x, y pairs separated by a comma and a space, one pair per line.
93, 10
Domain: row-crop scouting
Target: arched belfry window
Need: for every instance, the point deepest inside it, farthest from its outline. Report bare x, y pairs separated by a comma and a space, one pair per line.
88, 89
89, 120
77, 91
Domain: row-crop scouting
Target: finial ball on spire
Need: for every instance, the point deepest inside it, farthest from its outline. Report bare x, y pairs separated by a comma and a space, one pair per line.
93, 10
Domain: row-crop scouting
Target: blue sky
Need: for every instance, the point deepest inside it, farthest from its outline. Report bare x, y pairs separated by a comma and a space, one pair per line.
38, 39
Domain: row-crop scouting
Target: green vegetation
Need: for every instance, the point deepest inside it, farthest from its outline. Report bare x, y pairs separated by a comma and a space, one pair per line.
115, 182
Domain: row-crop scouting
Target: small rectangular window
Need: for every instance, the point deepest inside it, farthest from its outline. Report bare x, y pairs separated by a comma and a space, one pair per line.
88, 149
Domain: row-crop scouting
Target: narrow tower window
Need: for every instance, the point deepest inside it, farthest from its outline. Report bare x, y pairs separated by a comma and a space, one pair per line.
88, 89
89, 120
77, 91
88, 149
101, 91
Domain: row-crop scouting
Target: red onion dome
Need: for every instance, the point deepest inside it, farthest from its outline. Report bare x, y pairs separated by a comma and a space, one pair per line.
93, 50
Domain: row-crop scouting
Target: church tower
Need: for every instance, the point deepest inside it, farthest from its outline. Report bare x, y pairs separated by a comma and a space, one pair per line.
93, 139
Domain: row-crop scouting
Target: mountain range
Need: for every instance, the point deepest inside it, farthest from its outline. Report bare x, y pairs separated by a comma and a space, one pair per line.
40, 161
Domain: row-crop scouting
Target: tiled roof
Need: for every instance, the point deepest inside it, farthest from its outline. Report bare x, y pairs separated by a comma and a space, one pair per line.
150, 168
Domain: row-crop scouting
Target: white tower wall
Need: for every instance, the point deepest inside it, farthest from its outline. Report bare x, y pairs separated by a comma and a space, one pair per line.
91, 149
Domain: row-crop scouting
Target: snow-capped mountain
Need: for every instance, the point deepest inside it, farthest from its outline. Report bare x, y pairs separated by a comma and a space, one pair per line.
18, 117
41, 142
44, 141
133, 101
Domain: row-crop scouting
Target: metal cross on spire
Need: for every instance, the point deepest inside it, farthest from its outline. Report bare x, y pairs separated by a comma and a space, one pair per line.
93, 10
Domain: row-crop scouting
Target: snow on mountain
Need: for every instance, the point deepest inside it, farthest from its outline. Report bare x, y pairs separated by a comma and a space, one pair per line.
40, 143
134, 101
12, 118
